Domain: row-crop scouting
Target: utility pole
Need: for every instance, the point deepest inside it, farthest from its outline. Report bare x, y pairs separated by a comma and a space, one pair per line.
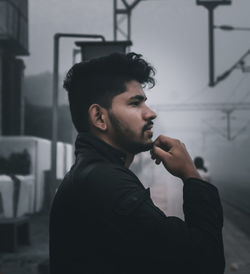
210, 5
125, 12
228, 113
211, 45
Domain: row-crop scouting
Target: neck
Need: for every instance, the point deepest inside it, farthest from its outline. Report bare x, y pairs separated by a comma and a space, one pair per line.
129, 160
129, 157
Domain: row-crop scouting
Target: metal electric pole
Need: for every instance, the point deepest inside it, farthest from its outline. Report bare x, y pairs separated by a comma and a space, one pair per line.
211, 45
228, 113
125, 11
57, 36
210, 6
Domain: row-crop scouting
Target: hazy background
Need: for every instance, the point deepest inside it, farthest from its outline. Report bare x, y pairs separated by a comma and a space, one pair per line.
173, 36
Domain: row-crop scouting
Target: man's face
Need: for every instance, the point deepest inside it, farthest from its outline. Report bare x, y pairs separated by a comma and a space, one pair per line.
131, 120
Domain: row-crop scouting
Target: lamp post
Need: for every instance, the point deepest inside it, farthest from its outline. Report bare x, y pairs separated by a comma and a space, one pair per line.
210, 5
57, 36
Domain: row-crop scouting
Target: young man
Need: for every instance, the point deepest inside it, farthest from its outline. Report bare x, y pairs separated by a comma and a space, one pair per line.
103, 220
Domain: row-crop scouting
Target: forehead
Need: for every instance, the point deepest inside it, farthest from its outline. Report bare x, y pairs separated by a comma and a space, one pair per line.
133, 88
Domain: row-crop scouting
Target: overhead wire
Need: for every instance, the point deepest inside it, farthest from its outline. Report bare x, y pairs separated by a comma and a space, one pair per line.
244, 98
195, 94
235, 89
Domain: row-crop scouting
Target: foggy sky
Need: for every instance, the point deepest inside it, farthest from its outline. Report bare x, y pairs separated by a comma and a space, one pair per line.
171, 34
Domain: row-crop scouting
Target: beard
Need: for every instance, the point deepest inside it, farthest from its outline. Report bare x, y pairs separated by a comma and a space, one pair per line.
125, 137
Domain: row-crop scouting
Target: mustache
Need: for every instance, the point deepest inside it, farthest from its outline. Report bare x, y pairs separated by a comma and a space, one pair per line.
147, 125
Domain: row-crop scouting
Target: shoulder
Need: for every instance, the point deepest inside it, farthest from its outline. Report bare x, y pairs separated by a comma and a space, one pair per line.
107, 185
109, 169
112, 182
99, 175
109, 175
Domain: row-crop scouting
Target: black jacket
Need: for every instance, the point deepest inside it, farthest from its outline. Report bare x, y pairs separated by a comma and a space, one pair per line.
103, 221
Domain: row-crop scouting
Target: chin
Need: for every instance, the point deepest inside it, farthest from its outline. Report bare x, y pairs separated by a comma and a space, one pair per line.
143, 147
149, 139
148, 134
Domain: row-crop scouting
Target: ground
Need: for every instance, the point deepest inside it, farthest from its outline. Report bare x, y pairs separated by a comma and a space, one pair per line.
30, 259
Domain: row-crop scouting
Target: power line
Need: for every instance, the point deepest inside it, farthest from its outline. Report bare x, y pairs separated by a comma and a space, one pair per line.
235, 89
202, 107
196, 94
244, 98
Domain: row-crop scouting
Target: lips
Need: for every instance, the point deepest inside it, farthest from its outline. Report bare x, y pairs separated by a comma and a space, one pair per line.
148, 126
148, 131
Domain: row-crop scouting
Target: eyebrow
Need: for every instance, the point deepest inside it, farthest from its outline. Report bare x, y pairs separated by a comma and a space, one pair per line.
138, 97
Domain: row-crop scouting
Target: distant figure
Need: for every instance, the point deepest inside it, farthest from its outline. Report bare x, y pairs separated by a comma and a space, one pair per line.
199, 164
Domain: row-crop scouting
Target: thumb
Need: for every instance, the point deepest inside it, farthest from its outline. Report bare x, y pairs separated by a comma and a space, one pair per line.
160, 153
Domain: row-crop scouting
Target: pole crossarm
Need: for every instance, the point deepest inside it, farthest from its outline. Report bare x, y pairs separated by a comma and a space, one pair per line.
130, 6
133, 5
125, 4
202, 107
211, 4
121, 11
231, 28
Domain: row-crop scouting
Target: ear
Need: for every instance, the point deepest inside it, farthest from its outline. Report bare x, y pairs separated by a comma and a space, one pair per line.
97, 117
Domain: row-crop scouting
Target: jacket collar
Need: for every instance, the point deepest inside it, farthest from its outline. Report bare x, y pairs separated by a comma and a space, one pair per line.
86, 140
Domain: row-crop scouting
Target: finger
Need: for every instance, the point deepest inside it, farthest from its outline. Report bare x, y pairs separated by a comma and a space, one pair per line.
152, 154
165, 142
160, 153
157, 161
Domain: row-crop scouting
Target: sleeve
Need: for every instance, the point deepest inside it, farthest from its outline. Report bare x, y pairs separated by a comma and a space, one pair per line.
139, 227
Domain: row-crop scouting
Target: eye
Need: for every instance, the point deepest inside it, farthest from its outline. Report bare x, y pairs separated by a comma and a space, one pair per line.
135, 103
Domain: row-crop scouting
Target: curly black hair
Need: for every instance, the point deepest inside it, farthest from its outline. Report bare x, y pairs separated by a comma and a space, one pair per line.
99, 80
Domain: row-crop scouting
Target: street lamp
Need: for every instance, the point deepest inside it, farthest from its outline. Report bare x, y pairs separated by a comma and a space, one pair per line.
53, 178
210, 5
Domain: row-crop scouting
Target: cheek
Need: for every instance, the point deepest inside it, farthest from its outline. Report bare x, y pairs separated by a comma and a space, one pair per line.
130, 118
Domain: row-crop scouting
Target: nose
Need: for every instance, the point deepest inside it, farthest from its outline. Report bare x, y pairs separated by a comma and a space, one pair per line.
149, 114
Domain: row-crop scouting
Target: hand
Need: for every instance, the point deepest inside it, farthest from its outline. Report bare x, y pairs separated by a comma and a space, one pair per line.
174, 156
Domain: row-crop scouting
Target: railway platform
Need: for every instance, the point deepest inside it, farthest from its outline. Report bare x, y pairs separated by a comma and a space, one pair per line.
33, 259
